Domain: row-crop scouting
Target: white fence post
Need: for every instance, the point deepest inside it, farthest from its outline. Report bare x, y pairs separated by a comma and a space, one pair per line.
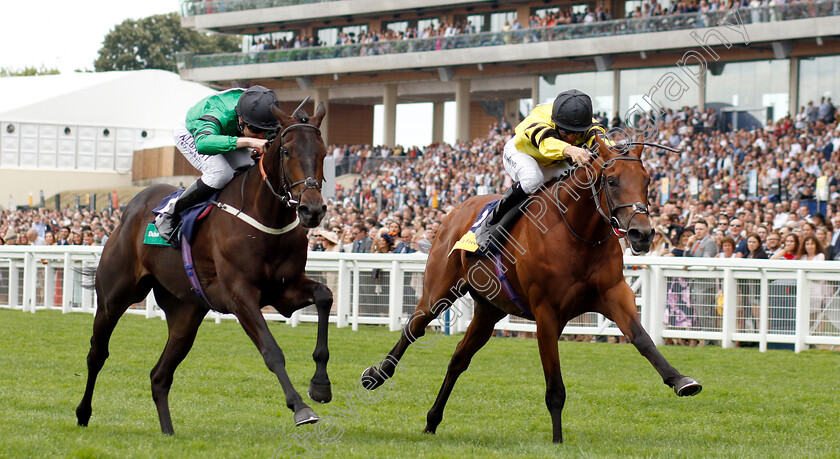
803, 309
657, 305
67, 284
763, 311
730, 308
29, 279
395, 290
14, 284
645, 291
151, 302
341, 297
354, 314
87, 294
49, 286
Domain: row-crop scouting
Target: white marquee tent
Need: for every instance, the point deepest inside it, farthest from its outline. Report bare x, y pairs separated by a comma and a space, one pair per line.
61, 132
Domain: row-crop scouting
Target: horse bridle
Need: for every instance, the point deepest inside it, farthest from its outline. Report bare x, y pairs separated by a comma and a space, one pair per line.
309, 182
639, 208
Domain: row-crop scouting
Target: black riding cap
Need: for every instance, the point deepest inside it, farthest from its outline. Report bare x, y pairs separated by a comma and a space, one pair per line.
254, 107
572, 111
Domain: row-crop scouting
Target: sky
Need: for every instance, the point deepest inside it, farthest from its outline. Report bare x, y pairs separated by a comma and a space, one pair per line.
70, 36
65, 34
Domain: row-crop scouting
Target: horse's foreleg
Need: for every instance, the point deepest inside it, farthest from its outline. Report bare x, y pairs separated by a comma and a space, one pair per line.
252, 321
620, 307
308, 292
183, 320
548, 331
477, 335
319, 385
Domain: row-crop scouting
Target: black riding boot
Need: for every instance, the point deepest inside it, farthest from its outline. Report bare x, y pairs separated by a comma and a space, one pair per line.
504, 215
167, 223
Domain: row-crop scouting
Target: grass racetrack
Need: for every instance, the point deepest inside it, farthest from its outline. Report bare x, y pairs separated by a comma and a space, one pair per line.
225, 402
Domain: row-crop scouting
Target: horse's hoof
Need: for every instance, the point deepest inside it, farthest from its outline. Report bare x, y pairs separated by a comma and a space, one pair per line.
687, 386
321, 393
429, 431
305, 416
372, 378
82, 416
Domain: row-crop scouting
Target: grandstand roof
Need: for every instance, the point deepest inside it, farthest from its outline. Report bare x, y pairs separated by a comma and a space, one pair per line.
140, 98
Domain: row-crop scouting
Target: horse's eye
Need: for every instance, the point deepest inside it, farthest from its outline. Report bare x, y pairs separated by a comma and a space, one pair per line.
612, 182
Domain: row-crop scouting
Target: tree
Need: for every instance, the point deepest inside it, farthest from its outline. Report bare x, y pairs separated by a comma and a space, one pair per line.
151, 43
27, 71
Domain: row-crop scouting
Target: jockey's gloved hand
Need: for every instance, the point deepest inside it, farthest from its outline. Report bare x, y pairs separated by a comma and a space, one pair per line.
576, 154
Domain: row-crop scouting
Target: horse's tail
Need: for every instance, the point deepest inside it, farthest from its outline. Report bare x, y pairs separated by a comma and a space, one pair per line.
87, 277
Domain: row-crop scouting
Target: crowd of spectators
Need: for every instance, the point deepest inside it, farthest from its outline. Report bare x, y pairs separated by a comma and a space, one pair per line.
40, 226
735, 184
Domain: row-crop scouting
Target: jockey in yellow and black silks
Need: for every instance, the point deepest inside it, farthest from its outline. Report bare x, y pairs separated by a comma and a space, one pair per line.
545, 143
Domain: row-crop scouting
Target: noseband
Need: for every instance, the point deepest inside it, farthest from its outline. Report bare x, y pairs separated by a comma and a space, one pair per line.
309, 182
609, 216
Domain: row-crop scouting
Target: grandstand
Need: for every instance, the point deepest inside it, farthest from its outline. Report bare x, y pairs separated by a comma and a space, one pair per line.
487, 56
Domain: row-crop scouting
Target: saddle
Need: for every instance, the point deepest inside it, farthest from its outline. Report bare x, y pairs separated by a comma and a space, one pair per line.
189, 218
467, 242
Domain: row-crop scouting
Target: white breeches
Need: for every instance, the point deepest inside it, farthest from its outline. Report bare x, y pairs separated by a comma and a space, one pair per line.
525, 169
216, 170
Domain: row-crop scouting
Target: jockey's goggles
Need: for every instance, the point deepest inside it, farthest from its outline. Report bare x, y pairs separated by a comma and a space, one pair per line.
568, 132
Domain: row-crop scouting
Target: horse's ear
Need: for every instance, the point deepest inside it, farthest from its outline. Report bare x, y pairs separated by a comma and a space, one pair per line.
637, 150
320, 112
281, 116
604, 151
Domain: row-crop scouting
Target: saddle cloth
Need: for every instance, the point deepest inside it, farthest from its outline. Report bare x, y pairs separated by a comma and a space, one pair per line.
467, 242
189, 217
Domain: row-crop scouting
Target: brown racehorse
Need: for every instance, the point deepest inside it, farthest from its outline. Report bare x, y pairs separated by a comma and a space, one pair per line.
561, 261
241, 268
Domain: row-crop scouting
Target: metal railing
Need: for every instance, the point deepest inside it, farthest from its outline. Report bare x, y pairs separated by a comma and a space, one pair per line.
665, 23
776, 302
199, 7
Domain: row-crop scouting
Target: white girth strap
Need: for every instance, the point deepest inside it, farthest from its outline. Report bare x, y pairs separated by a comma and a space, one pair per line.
253, 222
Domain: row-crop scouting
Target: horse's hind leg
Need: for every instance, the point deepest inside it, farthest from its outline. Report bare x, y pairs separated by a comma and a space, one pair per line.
620, 306
438, 296
183, 320
114, 296
477, 335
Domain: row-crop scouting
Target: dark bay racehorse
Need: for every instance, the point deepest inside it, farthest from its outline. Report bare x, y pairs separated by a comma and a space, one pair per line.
561, 261
241, 267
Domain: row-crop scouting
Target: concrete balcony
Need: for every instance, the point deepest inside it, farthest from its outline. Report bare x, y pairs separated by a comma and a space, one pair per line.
231, 15
746, 34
